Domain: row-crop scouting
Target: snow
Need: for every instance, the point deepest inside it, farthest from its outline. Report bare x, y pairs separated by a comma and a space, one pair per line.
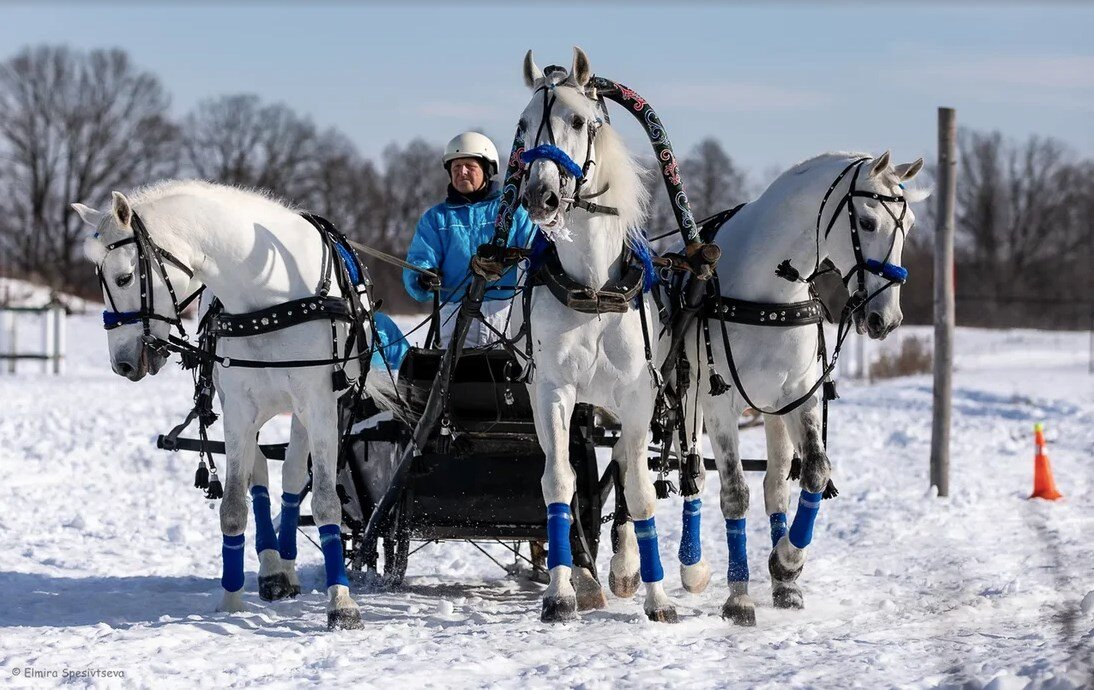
111, 559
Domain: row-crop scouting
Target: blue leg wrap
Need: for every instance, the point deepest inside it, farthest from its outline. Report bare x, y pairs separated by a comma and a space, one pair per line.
232, 552
264, 531
801, 532
646, 533
290, 518
331, 540
691, 549
558, 536
778, 527
738, 554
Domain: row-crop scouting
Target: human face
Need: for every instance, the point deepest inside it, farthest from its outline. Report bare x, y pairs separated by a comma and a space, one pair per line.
467, 175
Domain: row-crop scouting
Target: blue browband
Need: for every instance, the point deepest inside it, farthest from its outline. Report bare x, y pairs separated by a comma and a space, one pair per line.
554, 154
897, 274
112, 319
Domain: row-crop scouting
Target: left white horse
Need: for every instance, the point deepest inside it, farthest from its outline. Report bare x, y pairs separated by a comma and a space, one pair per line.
254, 253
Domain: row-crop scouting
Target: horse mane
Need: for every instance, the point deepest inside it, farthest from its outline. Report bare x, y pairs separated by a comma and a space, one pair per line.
227, 193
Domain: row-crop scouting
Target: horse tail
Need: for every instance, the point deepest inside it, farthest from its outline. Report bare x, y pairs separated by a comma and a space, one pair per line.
381, 387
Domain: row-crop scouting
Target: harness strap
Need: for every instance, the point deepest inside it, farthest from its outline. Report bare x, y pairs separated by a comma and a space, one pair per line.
281, 316
804, 313
615, 297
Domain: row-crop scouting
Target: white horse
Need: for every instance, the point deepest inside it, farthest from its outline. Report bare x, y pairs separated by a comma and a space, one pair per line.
589, 357
253, 253
849, 209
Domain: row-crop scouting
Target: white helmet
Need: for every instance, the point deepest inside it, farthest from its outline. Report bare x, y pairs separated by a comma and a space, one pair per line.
472, 145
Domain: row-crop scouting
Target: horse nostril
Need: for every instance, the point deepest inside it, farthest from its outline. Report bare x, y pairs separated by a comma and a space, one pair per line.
551, 201
875, 323
125, 368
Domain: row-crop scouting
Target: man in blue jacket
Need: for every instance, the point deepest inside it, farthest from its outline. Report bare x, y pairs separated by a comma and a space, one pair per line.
450, 233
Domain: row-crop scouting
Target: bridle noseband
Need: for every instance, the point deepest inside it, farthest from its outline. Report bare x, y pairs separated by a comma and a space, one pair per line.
568, 169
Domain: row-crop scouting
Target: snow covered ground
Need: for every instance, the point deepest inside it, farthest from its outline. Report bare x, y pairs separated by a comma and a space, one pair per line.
111, 559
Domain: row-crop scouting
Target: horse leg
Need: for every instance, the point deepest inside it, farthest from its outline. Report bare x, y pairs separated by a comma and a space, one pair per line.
641, 502
780, 452
623, 574
294, 476
694, 570
272, 583
788, 556
722, 426
320, 416
241, 425
552, 412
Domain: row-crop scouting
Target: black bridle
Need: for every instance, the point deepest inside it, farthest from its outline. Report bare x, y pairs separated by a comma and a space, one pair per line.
568, 169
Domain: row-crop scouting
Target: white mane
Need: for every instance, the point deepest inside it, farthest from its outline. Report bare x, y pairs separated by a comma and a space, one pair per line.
225, 193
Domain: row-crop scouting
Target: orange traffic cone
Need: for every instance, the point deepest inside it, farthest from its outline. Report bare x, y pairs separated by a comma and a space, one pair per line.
1044, 486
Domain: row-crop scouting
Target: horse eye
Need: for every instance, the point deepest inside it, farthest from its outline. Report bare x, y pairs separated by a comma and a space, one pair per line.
577, 122
122, 281
523, 124
867, 224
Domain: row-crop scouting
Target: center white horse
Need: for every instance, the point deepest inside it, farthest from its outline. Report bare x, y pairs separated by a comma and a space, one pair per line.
253, 253
598, 358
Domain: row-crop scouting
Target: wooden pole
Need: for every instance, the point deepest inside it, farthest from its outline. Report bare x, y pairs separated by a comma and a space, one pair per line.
944, 300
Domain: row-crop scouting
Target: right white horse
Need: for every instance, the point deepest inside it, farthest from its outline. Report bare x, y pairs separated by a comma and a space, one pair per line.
852, 210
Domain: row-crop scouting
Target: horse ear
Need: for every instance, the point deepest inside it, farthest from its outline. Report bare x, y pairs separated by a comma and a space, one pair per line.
123, 212
532, 72
88, 214
880, 165
906, 171
581, 71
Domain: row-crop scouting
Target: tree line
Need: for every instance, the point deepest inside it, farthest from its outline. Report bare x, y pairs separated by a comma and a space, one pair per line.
75, 125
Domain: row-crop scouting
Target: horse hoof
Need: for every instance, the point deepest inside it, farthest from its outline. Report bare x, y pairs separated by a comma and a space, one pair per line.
232, 602
591, 599
666, 614
559, 609
740, 612
344, 619
274, 587
787, 596
779, 572
623, 587
696, 577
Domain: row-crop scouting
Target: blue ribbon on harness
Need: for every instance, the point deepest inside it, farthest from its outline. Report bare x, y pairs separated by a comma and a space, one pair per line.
897, 274
350, 264
120, 318
554, 154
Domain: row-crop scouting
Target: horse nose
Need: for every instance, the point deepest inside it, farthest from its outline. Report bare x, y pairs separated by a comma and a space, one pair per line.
551, 201
541, 198
125, 368
875, 324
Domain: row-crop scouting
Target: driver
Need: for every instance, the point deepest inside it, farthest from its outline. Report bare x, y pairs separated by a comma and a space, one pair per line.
449, 233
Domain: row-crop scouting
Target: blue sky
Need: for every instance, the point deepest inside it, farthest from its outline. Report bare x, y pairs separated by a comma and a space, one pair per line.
776, 83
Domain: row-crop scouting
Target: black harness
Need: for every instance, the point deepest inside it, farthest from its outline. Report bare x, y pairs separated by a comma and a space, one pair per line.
616, 297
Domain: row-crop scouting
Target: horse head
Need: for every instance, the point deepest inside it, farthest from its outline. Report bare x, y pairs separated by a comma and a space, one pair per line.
877, 214
561, 123
132, 314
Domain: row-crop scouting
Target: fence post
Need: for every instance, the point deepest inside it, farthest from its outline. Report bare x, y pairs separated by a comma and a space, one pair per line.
59, 323
944, 301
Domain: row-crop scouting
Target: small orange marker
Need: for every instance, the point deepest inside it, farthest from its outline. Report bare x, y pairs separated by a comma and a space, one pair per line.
1044, 486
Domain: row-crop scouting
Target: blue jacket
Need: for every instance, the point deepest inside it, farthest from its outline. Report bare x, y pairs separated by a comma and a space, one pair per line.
393, 344
450, 233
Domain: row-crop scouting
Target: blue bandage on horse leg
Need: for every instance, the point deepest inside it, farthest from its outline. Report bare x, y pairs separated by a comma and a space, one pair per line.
558, 536
290, 518
801, 532
646, 533
330, 539
265, 538
778, 527
691, 549
231, 578
738, 554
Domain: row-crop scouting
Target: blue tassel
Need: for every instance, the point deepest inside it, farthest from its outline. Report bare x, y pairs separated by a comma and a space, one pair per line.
265, 538
120, 318
290, 518
801, 532
778, 527
897, 274
558, 536
553, 154
646, 533
691, 547
330, 538
738, 554
644, 255
231, 551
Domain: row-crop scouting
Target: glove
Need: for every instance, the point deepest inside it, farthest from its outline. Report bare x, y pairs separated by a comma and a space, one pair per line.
427, 282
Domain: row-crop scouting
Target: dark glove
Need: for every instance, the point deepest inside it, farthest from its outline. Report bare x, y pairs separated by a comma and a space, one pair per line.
429, 282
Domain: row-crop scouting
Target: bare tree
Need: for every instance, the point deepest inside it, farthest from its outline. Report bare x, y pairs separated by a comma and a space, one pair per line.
73, 127
714, 183
240, 141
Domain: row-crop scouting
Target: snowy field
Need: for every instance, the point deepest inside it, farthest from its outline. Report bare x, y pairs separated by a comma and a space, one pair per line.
111, 560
